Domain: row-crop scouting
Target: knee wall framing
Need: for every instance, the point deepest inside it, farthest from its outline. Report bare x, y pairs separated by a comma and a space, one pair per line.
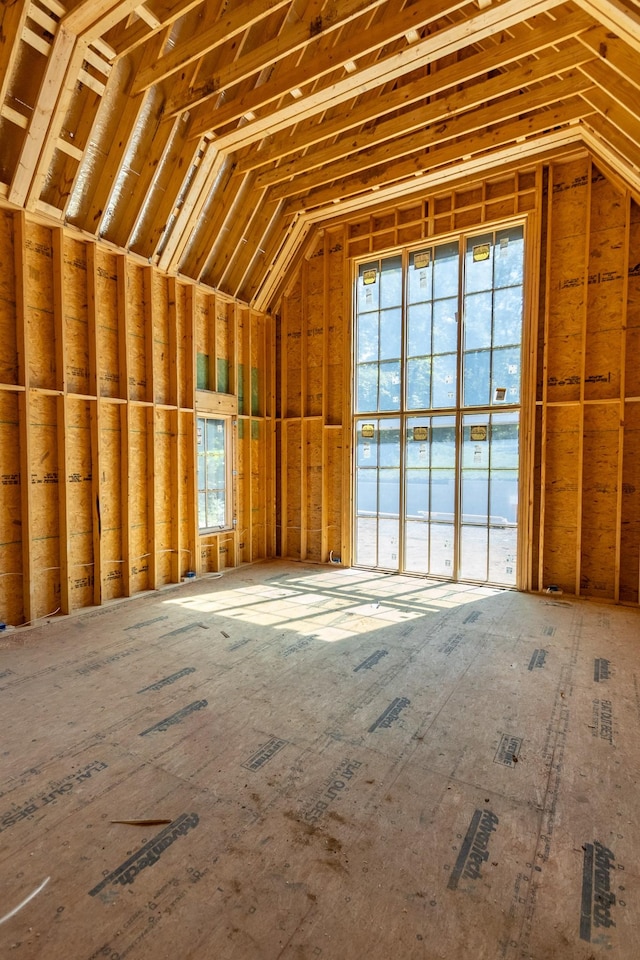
104, 365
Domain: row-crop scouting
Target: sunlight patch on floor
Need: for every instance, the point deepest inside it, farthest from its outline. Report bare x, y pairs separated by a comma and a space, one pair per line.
334, 605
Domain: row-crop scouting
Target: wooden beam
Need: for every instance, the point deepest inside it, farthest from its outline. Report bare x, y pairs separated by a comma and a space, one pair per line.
234, 351
193, 541
586, 240
612, 161
52, 83
623, 391
442, 43
160, 199
248, 458
615, 53
617, 17
470, 68
24, 415
160, 161
151, 497
57, 134
93, 342
622, 152
102, 178
70, 149
611, 84
13, 18
249, 255
298, 222
233, 23
62, 429
492, 126
92, 18
531, 315
326, 339
36, 41
293, 39
213, 227
347, 513
17, 118
441, 111
174, 389
124, 365
236, 236
125, 39
626, 122
208, 164
149, 334
304, 422
329, 59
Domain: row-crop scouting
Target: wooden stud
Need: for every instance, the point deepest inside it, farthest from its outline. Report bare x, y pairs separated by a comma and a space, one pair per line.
94, 419
149, 321
583, 342
248, 459
545, 389
533, 240
189, 425
212, 311
304, 426
125, 420
24, 363
174, 394
62, 433
151, 497
270, 429
347, 433
326, 322
623, 391
284, 438
234, 330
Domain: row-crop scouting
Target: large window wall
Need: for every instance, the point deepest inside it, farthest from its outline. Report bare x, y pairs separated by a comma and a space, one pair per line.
437, 406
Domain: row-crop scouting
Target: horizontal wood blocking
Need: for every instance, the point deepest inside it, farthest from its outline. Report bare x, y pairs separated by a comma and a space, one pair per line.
105, 364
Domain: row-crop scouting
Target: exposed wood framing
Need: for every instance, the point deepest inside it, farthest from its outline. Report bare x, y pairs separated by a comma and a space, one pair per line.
209, 140
573, 499
220, 164
100, 390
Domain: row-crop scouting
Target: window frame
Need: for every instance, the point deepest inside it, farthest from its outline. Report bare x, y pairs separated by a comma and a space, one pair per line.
202, 418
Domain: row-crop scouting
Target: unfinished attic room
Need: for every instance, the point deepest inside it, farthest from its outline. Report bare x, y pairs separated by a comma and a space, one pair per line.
320, 479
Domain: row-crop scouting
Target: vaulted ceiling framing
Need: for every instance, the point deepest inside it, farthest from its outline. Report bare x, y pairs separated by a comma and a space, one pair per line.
210, 137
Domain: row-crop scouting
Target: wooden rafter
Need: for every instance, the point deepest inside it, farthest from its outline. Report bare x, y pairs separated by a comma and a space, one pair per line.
223, 127
389, 69
397, 129
461, 72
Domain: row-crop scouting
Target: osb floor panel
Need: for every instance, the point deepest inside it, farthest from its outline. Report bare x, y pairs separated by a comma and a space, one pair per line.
355, 766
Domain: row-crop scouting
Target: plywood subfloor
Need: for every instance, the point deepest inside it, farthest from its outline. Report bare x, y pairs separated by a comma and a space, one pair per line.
355, 765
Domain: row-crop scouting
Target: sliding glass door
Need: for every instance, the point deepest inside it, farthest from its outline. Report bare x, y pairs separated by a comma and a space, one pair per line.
438, 337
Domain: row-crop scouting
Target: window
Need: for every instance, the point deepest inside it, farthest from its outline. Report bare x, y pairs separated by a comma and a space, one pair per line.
438, 337
213, 502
